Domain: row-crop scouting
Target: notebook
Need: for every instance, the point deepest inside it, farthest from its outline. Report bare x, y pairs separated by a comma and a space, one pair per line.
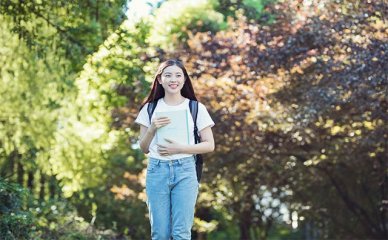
177, 130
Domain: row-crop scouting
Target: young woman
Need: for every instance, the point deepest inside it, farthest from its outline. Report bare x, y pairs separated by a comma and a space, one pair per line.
171, 182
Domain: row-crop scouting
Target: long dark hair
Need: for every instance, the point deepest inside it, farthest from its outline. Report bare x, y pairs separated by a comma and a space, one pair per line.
157, 91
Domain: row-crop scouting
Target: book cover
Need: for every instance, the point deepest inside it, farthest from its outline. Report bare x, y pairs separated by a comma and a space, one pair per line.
177, 130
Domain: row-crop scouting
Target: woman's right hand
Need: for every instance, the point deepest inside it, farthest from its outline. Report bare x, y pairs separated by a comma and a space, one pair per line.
159, 122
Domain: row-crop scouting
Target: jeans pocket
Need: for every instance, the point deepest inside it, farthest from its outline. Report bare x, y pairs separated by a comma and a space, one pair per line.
188, 166
151, 167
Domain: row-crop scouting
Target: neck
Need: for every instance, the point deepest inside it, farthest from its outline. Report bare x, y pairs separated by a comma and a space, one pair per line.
175, 99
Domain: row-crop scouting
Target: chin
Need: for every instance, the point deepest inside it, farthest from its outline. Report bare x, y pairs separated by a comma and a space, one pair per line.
174, 91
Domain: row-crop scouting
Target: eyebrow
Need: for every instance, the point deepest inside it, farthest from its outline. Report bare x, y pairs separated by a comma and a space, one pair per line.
172, 73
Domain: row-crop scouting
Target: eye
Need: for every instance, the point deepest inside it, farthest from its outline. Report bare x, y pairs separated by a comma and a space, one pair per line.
179, 75
167, 75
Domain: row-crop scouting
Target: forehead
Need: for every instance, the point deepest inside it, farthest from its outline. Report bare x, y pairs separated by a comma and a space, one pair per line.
173, 69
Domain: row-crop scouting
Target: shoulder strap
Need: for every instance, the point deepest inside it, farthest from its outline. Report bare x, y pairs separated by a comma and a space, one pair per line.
151, 108
194, 113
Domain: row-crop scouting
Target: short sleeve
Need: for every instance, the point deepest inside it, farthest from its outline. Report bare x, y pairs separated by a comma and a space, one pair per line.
143, 118
203, 119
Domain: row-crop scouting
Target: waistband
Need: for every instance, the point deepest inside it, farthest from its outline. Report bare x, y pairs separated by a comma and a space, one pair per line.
180, 160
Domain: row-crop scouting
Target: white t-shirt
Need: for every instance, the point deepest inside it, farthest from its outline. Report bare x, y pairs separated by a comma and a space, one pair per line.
203, 120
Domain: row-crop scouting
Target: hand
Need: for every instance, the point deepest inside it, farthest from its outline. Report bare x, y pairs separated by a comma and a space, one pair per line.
159, 122
169, 148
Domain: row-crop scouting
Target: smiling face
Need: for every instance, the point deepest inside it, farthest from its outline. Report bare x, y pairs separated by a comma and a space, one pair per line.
172, 79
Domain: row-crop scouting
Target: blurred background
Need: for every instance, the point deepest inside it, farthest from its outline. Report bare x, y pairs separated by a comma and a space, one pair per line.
297, 88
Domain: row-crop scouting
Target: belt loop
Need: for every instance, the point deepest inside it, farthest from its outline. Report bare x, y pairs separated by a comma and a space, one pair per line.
157, 162
180, 161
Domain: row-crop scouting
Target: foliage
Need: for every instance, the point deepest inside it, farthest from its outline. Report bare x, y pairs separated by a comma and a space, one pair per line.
82, 25
43, 45
309, 116
31, 96
89, 140
254, 62
23, 218
299, 107
253, 10
57, 219
39, 75
189, 17
113, 74
14, 222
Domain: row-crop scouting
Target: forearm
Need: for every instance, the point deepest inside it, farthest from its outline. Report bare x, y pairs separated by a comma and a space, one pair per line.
203, 147
146, 139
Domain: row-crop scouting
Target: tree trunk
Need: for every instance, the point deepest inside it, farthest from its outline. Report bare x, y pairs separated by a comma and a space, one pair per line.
383, 197
357, 209
97, 14
52, 187
30, 180
201, 236
267, 227
20, 174
244, 231
42, 186
245, 225
8, 168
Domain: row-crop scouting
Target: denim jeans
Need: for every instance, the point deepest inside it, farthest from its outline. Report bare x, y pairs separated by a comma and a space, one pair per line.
172, 189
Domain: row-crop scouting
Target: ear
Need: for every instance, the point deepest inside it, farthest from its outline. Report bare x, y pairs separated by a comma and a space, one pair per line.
159, 79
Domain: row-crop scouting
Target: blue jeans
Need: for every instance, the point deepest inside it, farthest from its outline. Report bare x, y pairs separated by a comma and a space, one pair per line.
172, 189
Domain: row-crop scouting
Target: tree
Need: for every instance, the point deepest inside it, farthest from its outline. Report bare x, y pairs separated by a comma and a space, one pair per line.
299, 109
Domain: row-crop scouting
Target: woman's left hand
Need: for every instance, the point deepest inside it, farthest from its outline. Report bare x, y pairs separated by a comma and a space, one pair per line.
169, 148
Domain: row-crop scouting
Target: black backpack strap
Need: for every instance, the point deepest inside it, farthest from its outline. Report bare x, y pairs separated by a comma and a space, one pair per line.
198, 157
194, 113
151, 108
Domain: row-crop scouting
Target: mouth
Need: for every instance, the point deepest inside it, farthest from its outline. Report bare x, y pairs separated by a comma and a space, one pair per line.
173, 86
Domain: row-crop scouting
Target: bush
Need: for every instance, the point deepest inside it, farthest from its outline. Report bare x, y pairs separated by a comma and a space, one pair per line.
58, 219
14, 222
52, 219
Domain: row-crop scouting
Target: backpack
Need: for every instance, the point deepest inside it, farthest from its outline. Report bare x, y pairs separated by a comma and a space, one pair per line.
194, 113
